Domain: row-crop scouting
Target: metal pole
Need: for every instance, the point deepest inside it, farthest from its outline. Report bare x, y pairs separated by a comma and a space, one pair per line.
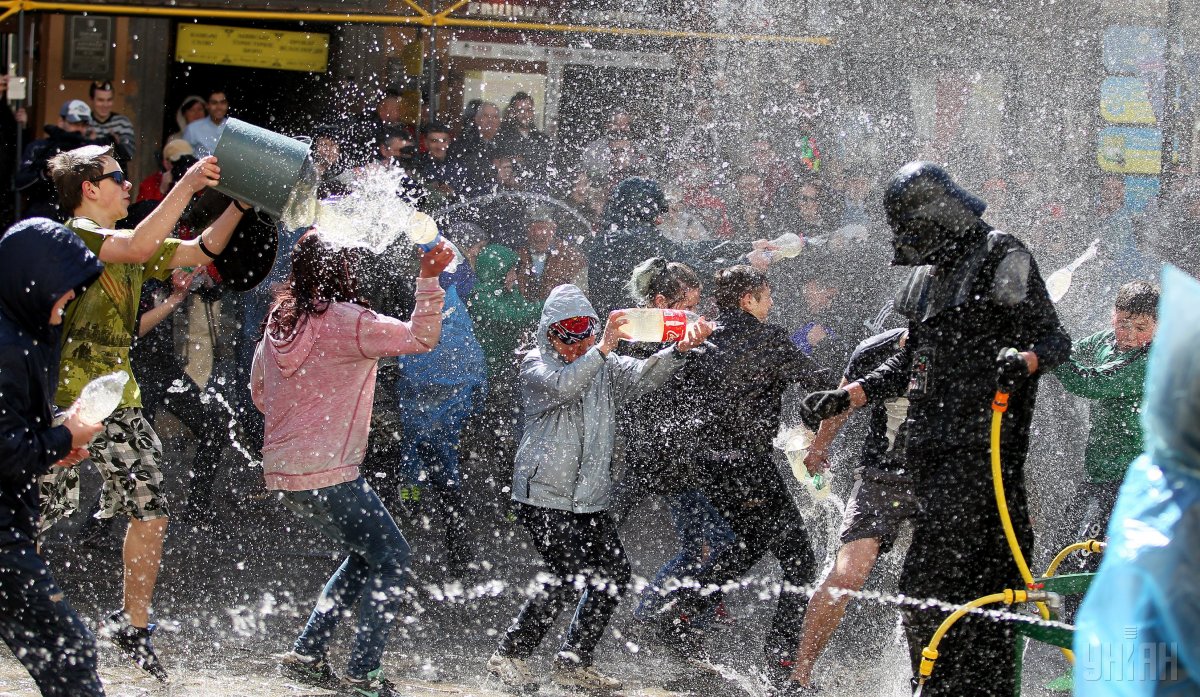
434, 87
20, 130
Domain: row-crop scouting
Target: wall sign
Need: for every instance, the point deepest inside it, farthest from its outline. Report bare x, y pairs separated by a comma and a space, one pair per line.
252, 48
88, 49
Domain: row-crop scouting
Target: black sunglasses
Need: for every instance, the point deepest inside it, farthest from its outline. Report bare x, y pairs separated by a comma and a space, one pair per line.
116, 175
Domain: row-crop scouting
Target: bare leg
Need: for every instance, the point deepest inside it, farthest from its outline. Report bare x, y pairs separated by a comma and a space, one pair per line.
143, 557
854, 563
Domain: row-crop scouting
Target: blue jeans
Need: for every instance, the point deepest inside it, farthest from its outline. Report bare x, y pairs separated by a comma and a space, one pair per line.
375, 575
42, 630
697, 525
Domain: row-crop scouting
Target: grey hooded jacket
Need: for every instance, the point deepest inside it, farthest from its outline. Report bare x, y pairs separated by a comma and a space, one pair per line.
566, 450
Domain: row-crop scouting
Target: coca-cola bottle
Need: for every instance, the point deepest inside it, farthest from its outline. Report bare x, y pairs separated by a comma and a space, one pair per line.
657, 325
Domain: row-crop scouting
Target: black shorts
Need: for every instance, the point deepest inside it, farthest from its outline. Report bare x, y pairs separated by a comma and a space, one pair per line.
878, 504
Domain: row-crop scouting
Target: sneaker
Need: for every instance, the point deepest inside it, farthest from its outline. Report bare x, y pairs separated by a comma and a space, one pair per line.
374, 685
578, 677
513, 672
308, 670
135, 642
676, 633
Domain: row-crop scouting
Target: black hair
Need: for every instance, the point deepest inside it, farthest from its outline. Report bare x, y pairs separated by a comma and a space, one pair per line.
99, 86
215, 90
1138, 298
734, 283
435, 127
324, 130
389, 131
657, 276
519, 97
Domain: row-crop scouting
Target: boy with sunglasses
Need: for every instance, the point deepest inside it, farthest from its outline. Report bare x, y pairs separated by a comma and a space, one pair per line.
97, 334
571, 389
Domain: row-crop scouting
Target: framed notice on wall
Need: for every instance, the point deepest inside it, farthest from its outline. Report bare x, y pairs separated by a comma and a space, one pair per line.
88, 50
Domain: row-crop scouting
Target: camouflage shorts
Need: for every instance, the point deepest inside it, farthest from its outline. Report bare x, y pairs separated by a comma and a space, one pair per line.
128, 455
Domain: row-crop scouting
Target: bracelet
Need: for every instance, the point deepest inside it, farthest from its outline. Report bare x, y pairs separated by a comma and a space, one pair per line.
238, 205
207, 252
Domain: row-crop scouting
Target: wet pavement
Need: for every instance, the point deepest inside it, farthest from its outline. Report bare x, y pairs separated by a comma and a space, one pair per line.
230, 601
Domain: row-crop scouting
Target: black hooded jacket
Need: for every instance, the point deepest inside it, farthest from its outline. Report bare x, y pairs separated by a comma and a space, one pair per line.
40, 261
726, 403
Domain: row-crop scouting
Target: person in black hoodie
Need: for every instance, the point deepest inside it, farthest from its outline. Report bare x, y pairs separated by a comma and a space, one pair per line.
42, 268
979, 319
730, 401
629, 235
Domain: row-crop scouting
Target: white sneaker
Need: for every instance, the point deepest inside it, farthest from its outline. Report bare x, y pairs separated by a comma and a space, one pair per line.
577, 677
513, 672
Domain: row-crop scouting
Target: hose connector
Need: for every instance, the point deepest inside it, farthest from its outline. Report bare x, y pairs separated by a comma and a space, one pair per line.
928, 657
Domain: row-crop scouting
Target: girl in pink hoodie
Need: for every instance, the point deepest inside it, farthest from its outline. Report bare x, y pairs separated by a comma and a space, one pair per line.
314, 380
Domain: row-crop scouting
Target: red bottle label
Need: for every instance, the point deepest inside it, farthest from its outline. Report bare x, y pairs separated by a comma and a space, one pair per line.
674, 325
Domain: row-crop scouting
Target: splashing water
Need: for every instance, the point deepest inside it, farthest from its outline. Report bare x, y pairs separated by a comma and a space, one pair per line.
375, 215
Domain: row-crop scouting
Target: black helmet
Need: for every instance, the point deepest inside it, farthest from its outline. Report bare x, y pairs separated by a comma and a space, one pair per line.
928, 213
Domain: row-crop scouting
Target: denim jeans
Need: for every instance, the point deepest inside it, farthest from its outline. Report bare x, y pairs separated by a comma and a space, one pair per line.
375, 576
42, 630
698, 526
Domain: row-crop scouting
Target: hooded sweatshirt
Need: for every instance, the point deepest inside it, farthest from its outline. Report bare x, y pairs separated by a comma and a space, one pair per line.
501, 315
40, 261
317, 387
564, 460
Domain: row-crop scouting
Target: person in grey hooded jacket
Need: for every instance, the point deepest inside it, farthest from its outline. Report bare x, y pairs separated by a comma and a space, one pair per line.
571, 388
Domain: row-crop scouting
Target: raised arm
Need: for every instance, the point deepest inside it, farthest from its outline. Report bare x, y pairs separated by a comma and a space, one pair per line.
140, 246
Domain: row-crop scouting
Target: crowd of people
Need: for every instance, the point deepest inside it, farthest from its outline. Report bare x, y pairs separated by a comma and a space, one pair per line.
512, 351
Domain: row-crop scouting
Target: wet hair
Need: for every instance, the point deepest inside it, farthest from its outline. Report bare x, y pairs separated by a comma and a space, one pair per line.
324, 130
734, 283
435, 127
657, 276
99, 86
519, 97
320, 276
72, 168
1138, 298
389, 131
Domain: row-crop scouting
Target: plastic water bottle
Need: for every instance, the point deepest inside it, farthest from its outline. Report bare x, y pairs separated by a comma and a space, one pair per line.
795, 441
423, 231
789, 245
657, 325
101, 397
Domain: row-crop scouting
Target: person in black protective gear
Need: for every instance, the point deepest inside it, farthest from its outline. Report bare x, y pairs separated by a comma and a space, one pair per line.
728, 400
973, 293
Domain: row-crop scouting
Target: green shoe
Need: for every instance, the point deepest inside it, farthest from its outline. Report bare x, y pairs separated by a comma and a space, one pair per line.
1063, 683
374, 685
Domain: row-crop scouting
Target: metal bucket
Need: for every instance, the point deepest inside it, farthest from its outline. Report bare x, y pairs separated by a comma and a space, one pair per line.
267, 170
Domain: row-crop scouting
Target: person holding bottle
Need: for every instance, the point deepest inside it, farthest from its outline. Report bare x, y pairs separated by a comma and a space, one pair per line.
571, 386
731, 397
313, 378
43, 267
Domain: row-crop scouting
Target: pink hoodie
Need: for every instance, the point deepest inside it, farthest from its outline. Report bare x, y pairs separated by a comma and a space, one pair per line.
317, 388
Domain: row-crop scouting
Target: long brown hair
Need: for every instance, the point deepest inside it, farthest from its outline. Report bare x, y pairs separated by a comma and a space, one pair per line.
321, 276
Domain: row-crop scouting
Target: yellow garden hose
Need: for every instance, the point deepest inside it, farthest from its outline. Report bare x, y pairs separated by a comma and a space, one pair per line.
999, 406
930, 653
1093, 546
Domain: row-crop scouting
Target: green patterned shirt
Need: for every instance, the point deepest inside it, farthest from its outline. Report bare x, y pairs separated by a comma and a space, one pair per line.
100, 325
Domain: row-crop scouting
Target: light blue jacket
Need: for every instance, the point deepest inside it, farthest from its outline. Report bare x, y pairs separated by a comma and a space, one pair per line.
564, 460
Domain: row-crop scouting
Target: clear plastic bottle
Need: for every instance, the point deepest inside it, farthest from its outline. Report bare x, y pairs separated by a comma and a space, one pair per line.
657, 325
788, 245
101, 397
795, 442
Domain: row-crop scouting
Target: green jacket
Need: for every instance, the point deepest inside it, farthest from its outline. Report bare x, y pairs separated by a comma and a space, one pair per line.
501, 315
1115, 382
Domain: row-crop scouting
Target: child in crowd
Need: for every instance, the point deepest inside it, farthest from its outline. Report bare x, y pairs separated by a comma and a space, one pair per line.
1109, 369
571, 387
42, 268
313, 378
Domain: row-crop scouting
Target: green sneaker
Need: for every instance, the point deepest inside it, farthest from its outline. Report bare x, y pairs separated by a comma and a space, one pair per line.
374, 685
308, 670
